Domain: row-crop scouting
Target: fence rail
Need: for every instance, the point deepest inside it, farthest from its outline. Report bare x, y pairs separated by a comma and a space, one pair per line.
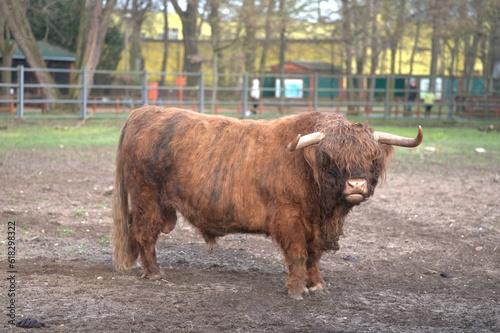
114, 94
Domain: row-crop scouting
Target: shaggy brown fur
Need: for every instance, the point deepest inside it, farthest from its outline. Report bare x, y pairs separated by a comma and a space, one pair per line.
225, 176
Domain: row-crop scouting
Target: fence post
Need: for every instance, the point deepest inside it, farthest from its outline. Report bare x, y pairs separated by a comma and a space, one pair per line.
20, 91
451, 99
387, 94
316, 94
244, 98
201, 92
145, 88
83, 107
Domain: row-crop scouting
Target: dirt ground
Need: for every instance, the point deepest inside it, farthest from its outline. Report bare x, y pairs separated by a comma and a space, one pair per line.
422, 255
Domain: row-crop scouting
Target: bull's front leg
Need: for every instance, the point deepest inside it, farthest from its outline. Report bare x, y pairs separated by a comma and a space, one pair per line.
315, 281
288, 230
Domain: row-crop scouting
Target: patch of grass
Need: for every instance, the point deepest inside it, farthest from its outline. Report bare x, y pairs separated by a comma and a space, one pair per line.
101, 205
450, 139
79, 212
442, 143
46, 134
103, 240
68, 232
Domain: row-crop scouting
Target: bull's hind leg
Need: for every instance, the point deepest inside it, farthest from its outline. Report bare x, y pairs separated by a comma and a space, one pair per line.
146, 226
133, 244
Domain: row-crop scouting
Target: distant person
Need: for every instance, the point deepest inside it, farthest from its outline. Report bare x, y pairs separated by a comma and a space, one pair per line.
412, 96
428, 102
255, 95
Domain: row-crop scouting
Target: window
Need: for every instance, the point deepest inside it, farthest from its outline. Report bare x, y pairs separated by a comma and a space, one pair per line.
174, 34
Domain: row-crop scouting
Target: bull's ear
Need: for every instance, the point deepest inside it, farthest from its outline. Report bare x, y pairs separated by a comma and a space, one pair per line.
314, 160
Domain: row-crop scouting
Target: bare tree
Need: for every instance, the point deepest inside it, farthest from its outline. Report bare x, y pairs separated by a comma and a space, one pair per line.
249, 19
218, 43
283, 22
192, 59
374, 45
136, 11
347, 47
214, 21
472, 16
417, 17
165, 41
436, 16
493, 51
394, 18
14, 14
94, 23
268, 19
7, 48
361, 36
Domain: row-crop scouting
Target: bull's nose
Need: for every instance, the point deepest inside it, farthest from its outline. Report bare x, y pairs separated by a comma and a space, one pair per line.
356, 182
355, 190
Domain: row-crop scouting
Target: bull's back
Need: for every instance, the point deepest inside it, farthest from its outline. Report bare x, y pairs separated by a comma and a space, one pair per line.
220, 173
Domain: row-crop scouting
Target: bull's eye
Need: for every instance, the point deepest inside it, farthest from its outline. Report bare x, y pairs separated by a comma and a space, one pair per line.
334, 173
375, 168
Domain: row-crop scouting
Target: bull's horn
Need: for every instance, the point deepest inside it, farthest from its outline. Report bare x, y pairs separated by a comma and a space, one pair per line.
396, 140
306, 140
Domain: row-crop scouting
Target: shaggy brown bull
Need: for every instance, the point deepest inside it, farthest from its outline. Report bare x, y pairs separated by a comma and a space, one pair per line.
226, 175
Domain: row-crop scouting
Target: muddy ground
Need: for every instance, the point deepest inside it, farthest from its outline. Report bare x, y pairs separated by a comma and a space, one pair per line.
422, 255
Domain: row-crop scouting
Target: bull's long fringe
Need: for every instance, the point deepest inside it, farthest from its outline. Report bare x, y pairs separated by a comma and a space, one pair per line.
122, 256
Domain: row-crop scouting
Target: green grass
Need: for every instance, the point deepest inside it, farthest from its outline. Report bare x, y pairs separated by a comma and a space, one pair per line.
68, 232
79, 212
449, 140
48, 134
453, 141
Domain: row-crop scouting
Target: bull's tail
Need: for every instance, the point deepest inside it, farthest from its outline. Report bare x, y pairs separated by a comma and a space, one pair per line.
122, 255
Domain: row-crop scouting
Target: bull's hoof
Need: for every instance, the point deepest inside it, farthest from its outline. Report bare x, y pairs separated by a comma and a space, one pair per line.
298, 295
318, 288
153, 276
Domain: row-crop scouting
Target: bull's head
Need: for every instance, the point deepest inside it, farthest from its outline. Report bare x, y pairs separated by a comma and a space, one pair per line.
353, 155
380, 137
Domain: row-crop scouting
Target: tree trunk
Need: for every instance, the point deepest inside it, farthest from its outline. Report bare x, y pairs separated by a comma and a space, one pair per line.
282, 52
375, 49
7, 48
415, 45
91, 35
135, 58
348, 48
267, 36
14, 14
138, 14
493, 55
435, 45
214, 21
165, 43
192, 59
249, 41
396, 34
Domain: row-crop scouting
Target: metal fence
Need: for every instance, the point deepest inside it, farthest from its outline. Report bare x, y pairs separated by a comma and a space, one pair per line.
114, 94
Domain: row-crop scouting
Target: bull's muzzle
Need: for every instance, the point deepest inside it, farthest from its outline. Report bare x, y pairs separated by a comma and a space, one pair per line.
356, 190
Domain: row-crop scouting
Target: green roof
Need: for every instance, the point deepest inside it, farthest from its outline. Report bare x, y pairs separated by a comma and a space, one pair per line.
49, 52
